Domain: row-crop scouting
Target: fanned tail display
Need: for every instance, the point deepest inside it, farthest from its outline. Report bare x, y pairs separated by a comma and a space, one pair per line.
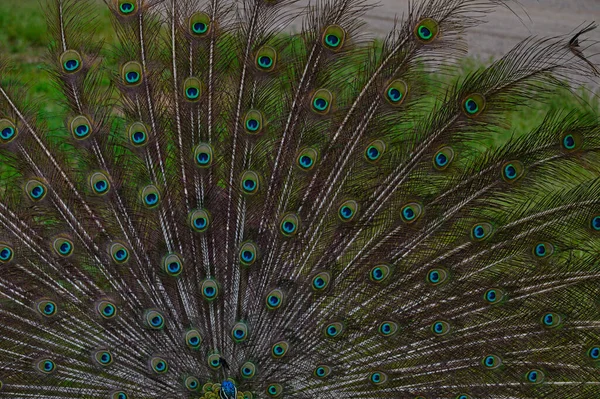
233, 211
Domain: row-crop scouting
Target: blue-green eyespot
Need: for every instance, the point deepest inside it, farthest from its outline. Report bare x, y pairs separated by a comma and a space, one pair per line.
239, 332
333, 37
81, 127
203, 155
6, 253
321, 281
106, 309
172, 265
36, 190
347, 210
210, 289
150, 196
99, 183
154, 319
63, 246
248, 370
396, 92
426, 30
47, 307
289, 225
266, 59
248, 253
70, 61
192, 89
473, 105
322, 371
138, 134
279, 349
193, 339
131, 73
8, 131
199, 25
119, 253
274, 299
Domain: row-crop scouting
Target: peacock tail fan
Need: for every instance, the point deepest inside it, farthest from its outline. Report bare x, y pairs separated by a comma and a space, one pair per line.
232, 211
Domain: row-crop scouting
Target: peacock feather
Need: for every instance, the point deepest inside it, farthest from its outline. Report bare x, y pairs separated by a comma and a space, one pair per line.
227, 210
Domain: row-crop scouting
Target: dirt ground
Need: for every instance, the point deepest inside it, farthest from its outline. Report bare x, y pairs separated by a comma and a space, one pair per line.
504, 29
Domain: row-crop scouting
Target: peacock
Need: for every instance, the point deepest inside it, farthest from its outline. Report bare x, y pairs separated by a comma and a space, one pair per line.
232, 210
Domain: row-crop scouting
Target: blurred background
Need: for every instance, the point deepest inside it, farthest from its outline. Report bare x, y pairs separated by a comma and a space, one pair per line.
23, 40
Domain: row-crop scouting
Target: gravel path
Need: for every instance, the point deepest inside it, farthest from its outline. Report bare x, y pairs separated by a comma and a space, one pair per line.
504, 29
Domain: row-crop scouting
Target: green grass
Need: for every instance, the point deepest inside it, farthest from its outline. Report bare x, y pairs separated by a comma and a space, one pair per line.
24, 39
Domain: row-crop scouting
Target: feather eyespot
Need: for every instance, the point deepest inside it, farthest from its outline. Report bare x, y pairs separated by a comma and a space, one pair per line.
210, 290
99, 183
535, 376
172, 265
440, 328
426, 30
320, 281
126, 7
199, 25
571, 141
253, 122
334, 37
481, 231
36, 190
322, 371
437, 276
279, 349
47, 307
473, 105
203, 154
396, 92
63, 247
138, 134
492, 361
333, 330
8, 131
274, 390
411, 212
239, 332
374, 151
199, 220
154, 320
266, 59
388, 328
347, 210
494, 295
158, 364
131, 73
119, 395
6, 253
543, 250
594, 353
307, 158
193, 339
248, 253
106, 309
192, 384
378, 378
214, 361
595, 223
274, 299
150, 197
119, 253
551, 320
289, 225
248, 370
46, 366
192, 89
103, 358
380, 273
321, 101
70, 61
443, 158
250, 183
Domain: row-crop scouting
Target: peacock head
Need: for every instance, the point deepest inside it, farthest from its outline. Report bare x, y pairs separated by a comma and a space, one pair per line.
228, 390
